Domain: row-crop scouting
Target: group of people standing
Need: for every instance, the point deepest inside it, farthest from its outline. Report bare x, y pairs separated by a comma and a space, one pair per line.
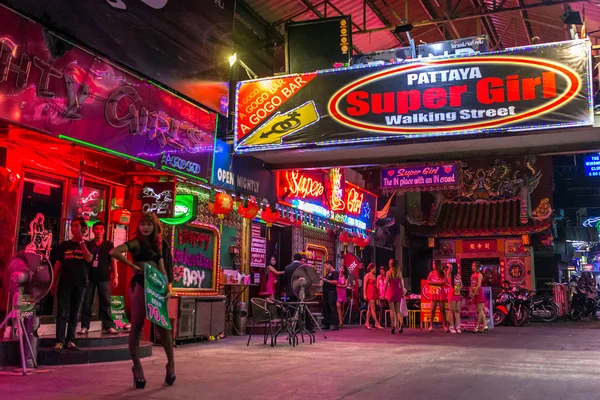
334, 288
387, 287
82, 267
445, 285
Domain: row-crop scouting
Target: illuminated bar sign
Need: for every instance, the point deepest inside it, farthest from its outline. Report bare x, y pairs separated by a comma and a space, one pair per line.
529, 88
64, 91
420, 178
327, 195
591, 164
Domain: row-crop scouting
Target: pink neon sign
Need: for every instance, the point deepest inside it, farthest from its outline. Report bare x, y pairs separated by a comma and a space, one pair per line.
51, 86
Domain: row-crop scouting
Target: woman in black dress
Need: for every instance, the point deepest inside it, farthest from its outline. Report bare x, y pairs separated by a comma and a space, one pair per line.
146, 247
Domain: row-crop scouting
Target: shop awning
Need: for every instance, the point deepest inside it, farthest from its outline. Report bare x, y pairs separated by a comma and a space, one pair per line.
500, 218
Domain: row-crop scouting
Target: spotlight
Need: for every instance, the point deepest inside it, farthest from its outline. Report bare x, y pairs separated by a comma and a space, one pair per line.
232, 59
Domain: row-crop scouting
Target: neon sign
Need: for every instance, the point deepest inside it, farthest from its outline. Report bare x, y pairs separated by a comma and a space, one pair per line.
311, 208
302, 186
186, 209
354, 201
337, 192
327, 195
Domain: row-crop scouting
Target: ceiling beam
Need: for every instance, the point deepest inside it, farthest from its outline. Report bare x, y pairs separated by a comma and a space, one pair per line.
296, 15
385, 21
429, 11
488, 26
526, 24
445, 12
318, 14
482, 15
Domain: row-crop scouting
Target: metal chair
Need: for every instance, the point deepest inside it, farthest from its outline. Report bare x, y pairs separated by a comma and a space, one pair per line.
287, 321
265, 315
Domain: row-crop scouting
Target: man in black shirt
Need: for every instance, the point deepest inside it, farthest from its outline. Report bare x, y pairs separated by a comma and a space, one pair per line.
103, 265
70, 279
330, 282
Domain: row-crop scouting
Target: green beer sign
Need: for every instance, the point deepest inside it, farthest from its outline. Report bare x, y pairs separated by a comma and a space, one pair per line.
186, 209
155, 285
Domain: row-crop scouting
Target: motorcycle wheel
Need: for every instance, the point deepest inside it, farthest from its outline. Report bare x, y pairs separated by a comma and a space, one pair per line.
499, 317
576, 313
551, 313
520, 318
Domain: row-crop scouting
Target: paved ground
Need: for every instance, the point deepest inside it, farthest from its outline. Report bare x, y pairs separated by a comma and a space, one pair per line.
539, 362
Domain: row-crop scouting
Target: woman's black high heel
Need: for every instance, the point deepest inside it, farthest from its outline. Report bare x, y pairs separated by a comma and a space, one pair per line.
401, 329
170, 379
137, 382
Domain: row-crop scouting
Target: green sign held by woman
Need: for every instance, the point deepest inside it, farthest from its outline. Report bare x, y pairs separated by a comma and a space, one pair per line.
156, 297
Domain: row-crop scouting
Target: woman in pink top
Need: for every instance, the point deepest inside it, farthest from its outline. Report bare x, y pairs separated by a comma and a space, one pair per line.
341, 292
478, 297
455, 283
437, 282
394, 292
370, 295
381, 282
272, 274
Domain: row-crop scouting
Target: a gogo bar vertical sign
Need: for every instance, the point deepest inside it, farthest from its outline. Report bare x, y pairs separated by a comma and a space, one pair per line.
327, 195
51, 86
522, 89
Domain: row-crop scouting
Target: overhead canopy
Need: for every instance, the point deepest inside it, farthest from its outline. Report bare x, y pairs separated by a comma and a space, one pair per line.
500, 218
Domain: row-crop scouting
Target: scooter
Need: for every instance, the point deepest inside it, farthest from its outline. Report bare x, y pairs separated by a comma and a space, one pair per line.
544, 309
582, 306
503, 307
523, 304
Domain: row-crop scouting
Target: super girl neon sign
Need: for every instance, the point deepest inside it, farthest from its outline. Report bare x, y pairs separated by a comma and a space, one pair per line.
339, 200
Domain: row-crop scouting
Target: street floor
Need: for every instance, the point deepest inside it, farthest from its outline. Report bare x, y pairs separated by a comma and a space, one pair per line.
556, 361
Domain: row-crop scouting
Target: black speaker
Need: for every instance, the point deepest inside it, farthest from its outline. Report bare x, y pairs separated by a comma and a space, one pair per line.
318, 44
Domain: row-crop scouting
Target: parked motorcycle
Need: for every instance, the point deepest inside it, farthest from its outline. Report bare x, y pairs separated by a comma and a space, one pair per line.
544, 309
581, 306
503, 307
523, 305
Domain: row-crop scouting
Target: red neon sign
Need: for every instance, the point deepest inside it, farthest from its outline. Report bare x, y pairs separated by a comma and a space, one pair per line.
301, 186
354, 200
337, 191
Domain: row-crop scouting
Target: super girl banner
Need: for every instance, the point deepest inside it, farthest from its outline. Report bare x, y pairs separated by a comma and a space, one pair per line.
522, 89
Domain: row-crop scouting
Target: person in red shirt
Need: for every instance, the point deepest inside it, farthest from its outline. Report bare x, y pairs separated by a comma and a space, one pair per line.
437, 283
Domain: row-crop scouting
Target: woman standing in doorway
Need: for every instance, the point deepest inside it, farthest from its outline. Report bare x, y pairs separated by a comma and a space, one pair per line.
437, 283
370, 295
394, 293
341, 292
455, 283
478, 297
272, 275
146, 247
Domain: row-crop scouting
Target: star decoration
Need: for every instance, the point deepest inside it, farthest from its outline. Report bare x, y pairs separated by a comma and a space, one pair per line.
366, 210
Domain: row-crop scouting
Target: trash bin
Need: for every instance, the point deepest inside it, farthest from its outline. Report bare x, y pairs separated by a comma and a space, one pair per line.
240, 317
